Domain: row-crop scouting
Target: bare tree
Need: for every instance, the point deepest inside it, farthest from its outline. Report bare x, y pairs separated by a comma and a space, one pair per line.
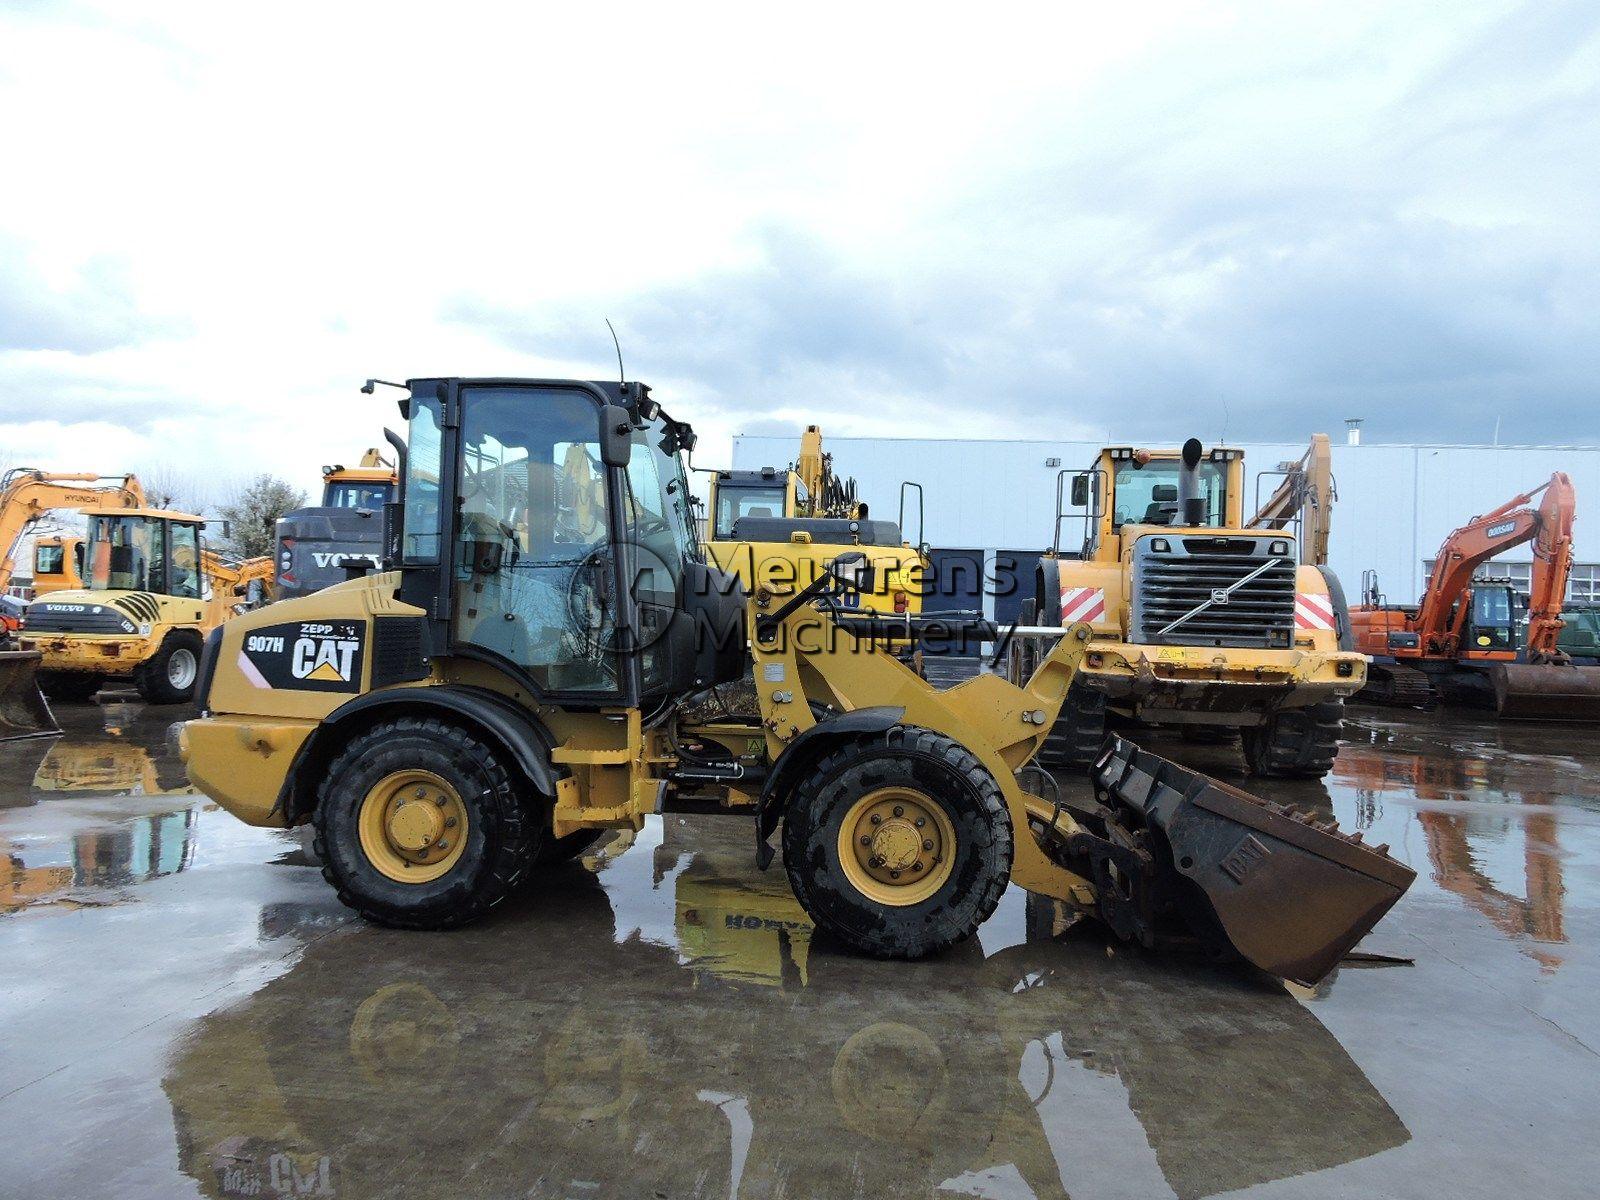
253, 511
165, 486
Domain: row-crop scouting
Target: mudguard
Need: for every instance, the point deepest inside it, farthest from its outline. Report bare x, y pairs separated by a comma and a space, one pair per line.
1287, 894
803, 751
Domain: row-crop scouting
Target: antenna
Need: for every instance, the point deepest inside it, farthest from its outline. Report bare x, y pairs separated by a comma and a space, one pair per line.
622, 376
1222, 438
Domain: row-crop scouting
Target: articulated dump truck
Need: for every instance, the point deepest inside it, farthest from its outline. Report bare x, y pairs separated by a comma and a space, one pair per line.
1199, 620
512, 686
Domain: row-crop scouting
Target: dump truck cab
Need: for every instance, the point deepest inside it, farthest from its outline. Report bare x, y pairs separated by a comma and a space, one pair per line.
147, 601
1200, 620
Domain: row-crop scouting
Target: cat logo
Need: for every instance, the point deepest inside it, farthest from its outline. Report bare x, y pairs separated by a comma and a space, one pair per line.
315, 656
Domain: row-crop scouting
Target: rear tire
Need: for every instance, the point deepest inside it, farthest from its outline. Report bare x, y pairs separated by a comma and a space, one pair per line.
913, 775
1296, 743
1074, 740
169, 675
453, 771
69, 687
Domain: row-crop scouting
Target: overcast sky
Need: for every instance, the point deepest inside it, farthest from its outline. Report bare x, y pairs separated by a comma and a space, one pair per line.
1134, 221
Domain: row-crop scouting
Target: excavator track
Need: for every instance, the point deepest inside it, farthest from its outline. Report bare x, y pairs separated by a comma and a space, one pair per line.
1398, 686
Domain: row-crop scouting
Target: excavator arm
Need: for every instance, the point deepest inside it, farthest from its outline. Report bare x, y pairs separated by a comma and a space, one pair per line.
1307, 488
26, 495
1552, 564
829, 495
1461, 554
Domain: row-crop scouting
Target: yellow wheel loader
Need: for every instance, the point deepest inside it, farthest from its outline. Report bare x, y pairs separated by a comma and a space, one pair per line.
535, 668
154, 590
1200, 619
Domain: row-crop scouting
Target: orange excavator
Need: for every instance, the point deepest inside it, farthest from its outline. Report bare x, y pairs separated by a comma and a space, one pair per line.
1460, 643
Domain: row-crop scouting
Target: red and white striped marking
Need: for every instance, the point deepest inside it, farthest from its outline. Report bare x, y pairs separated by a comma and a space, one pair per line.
1082, 604
1312, 610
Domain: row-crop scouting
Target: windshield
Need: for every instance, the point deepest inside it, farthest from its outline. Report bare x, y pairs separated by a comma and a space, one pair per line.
735, 500
352, 494
48, 558
1148, 495
124, 554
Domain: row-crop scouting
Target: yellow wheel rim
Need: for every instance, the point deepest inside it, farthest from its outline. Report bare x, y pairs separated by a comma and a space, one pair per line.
413, 826
896, 846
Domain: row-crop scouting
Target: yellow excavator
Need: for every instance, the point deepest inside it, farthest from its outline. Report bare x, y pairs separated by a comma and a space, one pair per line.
783, 528
26, 495
534, 669
154, 590
1201, 620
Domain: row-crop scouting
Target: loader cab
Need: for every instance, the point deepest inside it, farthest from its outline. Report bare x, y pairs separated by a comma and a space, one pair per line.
144, 550
367, 487
546, 529
1130, 488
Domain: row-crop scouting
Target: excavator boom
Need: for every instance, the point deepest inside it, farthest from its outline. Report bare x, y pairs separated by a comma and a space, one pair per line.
1307, 491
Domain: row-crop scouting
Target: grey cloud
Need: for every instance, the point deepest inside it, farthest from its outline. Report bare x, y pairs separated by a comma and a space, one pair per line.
97, 312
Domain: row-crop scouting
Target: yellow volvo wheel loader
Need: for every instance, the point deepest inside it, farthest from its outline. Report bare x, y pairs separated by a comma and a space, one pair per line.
541, 664
152, 593
1201, 620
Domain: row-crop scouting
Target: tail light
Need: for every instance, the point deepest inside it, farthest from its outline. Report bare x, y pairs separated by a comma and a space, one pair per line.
901, 602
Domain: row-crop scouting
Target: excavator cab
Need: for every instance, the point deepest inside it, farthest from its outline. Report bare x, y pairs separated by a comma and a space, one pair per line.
1491, 628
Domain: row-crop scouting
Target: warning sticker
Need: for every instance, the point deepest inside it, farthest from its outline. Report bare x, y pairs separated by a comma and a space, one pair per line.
305, 656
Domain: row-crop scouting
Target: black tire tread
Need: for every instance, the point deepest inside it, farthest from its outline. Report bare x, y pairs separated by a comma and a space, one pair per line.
150, 676
1075, 739
923, 742
1296, 743
512, 835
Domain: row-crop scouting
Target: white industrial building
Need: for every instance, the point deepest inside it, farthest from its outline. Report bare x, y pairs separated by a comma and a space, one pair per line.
1396, 503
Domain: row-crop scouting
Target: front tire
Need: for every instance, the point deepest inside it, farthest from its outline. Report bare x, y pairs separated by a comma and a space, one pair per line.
69, 687
898, 844
1295, 743
1074, 740
169, 675
420, 825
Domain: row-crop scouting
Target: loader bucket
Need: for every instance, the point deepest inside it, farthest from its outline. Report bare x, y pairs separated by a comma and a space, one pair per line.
1546, 691
23, 711
1286, 894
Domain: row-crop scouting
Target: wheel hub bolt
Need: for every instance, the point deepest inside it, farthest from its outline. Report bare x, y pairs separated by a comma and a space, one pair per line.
894, 874
927, 845
917, 866
865, 840
449, 822
921, 821
444, 845
899, 811
421, 791
876, 819
439, 800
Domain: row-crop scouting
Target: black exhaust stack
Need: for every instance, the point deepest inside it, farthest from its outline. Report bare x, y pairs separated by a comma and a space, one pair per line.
1191, 504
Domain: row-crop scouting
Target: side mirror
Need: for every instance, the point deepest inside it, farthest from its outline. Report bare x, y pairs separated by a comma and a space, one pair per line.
616, 435
1080, 490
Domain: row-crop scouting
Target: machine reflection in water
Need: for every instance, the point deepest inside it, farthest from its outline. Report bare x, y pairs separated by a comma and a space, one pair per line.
749, 1060
1462, 840
127, 757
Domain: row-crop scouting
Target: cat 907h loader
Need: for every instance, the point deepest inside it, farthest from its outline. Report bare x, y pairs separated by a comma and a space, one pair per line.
541, 664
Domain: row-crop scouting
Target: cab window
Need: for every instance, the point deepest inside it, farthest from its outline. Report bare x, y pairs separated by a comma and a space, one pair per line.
124, 554
1148, 495
531, 560
183, 563
351, 494
745, 500
49, 559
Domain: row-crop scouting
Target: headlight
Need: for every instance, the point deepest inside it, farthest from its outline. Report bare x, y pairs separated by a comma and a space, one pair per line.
1278, 548
1159, 545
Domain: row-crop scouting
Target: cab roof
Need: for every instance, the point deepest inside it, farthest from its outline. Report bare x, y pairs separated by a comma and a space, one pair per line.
164, 513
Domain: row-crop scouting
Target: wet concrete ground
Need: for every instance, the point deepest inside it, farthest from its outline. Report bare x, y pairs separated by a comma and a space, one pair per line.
186, 1010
